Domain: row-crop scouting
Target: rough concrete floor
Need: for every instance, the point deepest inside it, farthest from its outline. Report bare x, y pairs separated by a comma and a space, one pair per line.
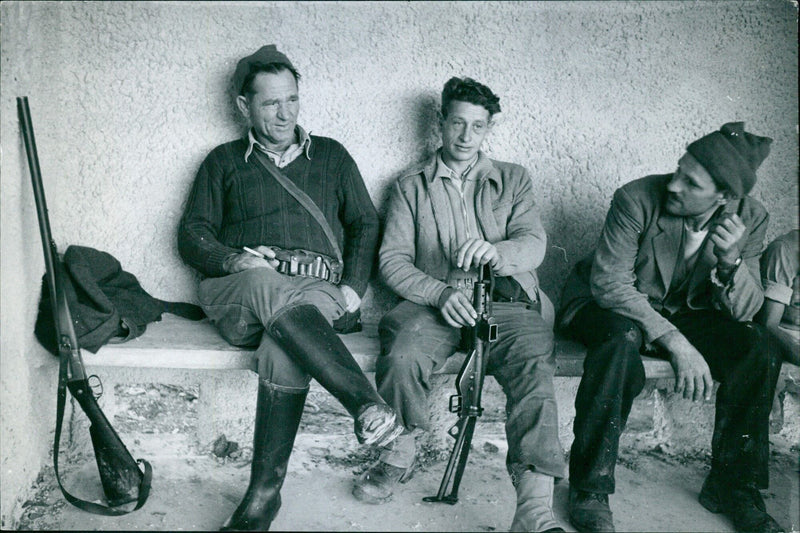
193, 489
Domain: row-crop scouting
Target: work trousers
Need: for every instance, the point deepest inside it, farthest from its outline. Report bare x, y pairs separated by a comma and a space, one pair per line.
241, 305
415, 341
738, 355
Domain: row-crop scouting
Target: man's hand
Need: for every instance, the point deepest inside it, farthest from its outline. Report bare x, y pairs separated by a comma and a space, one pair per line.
692, 375
456, 309
476, 252
726, 233
352, 301
247, 260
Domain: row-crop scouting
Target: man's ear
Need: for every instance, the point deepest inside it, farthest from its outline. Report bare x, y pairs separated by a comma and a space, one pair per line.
242, 104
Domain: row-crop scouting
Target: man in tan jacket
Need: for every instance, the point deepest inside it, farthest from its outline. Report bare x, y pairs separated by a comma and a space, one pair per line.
446, 219
676, 271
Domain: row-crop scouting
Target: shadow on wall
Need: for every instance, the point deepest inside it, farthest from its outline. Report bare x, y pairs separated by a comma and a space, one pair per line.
423, 113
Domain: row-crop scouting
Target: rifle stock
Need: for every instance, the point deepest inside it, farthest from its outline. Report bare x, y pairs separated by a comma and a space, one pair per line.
120, 476
469, 386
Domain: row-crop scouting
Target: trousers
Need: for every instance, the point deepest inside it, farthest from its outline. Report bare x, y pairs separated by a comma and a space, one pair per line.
241, 305
415, 341
739, 357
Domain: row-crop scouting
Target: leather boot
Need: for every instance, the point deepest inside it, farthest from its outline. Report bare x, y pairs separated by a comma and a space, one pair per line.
744, 506
303, 332
278, 414
589, 512
534, 501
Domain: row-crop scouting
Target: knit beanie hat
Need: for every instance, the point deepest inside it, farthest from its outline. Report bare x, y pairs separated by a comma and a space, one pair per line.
264, 55
731, 155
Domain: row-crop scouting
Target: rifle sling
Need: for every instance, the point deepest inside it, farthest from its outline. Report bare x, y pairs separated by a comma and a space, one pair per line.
302, 198
96, 508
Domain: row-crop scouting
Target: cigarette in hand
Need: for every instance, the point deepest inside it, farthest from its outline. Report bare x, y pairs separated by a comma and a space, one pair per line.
253, 252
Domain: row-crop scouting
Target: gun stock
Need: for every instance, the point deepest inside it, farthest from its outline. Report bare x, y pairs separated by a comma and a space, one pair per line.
120, 476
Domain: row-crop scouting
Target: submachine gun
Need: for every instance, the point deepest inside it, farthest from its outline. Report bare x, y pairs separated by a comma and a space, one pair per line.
469, 384
121, 478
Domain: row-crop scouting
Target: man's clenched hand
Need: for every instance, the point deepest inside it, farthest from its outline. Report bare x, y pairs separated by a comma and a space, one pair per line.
476, 252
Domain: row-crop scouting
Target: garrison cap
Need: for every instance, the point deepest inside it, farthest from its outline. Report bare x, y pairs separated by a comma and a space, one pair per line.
264, 55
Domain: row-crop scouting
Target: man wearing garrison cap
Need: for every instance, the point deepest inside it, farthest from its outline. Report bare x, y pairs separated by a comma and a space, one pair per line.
283, 231
676, 275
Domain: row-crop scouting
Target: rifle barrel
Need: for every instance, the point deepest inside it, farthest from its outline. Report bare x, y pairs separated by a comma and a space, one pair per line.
48, 245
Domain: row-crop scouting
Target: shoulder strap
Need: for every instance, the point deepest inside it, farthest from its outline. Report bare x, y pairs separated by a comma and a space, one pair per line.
301, 197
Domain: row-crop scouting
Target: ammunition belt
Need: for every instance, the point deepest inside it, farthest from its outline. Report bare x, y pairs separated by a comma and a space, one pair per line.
308, 264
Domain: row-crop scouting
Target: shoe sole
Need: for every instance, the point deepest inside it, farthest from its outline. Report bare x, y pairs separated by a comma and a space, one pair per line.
365, 497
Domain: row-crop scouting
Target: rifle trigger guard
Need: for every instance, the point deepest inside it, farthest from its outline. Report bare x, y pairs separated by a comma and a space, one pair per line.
455, 403
96, 386
453, 431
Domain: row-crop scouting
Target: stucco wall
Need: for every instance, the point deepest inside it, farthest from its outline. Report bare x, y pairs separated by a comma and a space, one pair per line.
127, 99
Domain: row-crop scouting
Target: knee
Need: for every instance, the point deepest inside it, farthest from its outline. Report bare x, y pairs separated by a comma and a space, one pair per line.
622, 342
401, 362
618, 354
755, 340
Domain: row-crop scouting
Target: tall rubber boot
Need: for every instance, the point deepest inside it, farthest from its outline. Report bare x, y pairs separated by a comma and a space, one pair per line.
278, 414
304, 333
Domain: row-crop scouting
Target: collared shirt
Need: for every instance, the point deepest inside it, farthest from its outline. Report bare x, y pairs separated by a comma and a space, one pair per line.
281, 159
460, 190
461, 193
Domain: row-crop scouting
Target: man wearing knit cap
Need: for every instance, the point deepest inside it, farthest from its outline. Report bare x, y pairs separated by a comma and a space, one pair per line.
282, 229
676, 274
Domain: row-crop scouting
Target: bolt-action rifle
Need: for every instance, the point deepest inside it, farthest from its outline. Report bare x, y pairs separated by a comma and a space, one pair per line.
469, 384
122, 480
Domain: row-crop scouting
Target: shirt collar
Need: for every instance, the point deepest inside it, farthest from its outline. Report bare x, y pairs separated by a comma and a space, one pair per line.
305, 142
443, 171
482, 167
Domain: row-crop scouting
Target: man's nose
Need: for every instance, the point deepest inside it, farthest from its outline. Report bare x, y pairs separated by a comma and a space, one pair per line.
673, 186
466, 134
283, 110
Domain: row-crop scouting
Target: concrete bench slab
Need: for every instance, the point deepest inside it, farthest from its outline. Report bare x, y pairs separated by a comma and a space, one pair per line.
178, 343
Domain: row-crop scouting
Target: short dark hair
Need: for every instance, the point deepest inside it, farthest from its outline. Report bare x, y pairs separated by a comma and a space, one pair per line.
269, 68
470, 91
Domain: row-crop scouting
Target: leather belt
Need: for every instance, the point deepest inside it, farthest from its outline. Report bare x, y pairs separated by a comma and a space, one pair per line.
308, 264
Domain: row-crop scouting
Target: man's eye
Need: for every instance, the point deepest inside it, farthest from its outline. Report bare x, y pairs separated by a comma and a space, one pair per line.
478, 127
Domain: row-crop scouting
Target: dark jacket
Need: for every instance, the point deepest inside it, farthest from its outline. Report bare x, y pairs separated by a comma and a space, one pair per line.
631, 270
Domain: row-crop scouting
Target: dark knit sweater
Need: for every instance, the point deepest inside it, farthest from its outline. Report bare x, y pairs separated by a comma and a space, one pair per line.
234, 203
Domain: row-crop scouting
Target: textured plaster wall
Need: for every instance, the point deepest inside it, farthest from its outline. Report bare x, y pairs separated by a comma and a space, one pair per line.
127, 99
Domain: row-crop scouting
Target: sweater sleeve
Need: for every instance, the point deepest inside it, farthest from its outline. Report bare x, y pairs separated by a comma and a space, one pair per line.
360, 222
202, 219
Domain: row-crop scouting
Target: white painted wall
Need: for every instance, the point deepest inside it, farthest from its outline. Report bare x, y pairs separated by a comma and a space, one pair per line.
127, 99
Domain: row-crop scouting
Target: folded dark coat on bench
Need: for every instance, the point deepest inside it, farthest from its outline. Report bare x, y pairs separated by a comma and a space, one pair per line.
107, 303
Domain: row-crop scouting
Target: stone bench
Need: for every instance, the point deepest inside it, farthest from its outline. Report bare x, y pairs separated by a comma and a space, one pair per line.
182, 352
177, 343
